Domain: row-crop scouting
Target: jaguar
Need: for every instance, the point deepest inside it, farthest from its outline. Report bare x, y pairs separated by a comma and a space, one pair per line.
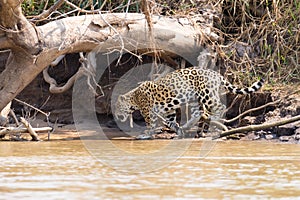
197, 87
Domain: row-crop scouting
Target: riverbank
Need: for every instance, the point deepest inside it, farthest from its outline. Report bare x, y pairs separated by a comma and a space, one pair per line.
286, 104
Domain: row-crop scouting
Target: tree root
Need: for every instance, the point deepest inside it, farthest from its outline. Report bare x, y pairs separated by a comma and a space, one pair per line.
85, 69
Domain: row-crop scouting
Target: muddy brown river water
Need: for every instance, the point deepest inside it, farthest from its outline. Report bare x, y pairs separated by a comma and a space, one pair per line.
71, 170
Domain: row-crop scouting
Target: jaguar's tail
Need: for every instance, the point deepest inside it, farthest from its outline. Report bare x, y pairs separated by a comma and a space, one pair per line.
253, 88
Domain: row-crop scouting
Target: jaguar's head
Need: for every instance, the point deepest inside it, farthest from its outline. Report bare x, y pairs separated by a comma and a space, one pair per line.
123, 108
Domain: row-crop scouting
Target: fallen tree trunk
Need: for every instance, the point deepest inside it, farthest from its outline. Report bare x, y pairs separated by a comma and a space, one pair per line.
34, 48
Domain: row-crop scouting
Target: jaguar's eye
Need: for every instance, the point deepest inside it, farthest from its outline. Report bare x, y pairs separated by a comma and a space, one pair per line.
132, 108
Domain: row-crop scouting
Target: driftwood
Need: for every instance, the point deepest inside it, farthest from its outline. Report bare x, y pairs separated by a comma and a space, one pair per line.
28, 128
53, 88
9, 130
258, 127
31, 131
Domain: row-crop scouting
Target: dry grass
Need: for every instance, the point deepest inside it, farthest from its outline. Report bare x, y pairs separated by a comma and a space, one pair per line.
261, 37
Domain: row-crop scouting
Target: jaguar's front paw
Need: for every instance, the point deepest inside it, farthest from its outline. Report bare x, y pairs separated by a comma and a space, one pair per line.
147, 135
144, 137
180, 133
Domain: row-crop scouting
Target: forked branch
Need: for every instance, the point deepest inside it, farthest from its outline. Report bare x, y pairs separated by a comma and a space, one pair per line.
252, 110
258, 127
260, 107
48, 12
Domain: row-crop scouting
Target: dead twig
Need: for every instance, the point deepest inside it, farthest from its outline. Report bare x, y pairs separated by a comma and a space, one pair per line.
117, 34
48, 12
146, 10
12, 113
46, 114
81, 10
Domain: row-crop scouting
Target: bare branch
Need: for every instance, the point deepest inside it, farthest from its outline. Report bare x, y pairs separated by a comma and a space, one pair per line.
146, 10
48, 12
260, 107
82, 10
258, 127
57, 60
12, 113
219, 125
85, 69
40, 111
116, 32
90, 72
252, 110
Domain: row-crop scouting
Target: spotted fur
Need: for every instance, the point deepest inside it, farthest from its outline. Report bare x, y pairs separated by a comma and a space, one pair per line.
159, 99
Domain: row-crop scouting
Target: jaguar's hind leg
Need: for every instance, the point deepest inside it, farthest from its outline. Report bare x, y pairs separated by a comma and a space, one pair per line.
215, 110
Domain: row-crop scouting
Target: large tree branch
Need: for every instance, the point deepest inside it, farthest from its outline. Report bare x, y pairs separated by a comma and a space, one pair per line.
84, 33
4, 43
17, 28
108, 32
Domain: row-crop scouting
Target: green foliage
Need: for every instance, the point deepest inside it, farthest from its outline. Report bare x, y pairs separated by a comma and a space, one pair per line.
35, 7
